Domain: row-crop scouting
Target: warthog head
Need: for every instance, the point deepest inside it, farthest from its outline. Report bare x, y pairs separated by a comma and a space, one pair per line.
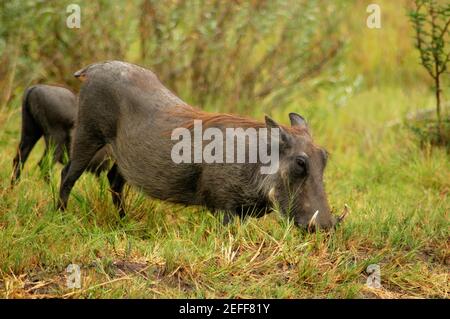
298, 188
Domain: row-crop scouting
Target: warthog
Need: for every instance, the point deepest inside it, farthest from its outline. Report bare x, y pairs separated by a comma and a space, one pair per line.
127, 107
50, 111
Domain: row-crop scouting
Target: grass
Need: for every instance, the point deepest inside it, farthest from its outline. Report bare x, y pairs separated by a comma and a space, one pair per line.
398, 191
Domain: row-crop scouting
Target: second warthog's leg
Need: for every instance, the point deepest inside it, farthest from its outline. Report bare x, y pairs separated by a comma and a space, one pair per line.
31, 133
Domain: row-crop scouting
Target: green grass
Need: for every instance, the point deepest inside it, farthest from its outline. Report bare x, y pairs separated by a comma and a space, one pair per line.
398, 191
398, 194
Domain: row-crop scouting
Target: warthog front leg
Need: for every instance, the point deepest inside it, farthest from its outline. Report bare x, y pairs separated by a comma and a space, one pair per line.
84, 148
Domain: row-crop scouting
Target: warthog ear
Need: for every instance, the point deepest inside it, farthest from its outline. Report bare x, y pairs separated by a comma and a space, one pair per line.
284, 137
297, 120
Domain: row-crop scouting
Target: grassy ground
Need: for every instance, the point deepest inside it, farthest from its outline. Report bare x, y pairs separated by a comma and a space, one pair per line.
398, 192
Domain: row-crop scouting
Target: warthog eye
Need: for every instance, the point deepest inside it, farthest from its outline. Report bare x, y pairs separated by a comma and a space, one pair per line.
301, 165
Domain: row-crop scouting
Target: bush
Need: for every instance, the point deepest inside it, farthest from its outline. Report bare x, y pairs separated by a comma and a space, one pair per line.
239, 53
431, 20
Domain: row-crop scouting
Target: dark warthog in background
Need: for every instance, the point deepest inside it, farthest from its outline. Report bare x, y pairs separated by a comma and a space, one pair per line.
50, 111
127, 107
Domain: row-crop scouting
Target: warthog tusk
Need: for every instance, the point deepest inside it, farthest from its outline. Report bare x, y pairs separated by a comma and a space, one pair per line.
346, 210
312, 221
271, 195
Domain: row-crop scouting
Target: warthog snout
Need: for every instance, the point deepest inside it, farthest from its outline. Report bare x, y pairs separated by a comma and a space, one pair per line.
314, 221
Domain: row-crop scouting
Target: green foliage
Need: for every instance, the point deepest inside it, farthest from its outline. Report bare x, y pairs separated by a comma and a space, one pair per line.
427, 131
240, 53
48, 51
431, 20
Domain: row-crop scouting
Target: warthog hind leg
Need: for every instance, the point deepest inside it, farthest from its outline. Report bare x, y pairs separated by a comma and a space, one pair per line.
116, 182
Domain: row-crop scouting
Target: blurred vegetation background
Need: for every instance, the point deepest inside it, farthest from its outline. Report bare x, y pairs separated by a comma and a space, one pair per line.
236, 56
235, 52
